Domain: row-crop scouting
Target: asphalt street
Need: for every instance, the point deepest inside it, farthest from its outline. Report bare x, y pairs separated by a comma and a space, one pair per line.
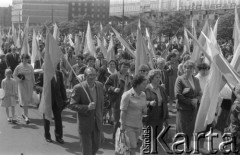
22, 139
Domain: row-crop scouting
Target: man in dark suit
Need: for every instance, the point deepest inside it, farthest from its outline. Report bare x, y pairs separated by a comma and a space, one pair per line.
88, 99
59, 99
115, 86
12, 58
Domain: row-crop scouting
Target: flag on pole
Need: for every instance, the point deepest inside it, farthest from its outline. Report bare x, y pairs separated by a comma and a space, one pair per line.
141, 55
110, 51
14, 34
236, 30
56, 32
70, 40
150, 45
196, 51
124, 43
35, 49
77, 44
25, 46
51, 59
1, 42
103, 49
186, 46
89, 43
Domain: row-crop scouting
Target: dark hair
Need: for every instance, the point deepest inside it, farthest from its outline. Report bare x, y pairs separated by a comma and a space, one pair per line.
112, 61
203, 66
80, 56
171, 55
25, 56
90, 57
123, 62
137, 80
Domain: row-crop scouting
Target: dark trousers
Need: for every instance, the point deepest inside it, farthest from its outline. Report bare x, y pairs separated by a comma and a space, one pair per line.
90, 141
116, 118
58, 123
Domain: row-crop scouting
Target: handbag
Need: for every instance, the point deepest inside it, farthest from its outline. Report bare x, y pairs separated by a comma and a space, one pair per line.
121, 147
35, 98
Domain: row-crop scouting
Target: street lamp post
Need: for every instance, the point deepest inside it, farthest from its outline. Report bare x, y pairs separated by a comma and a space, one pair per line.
123, 19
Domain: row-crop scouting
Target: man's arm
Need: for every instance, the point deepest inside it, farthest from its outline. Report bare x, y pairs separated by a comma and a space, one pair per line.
76, 101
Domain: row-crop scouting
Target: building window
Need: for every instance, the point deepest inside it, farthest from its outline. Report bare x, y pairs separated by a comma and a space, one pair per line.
92, 16
85, 9
79, 9
98, 15
73, 15
73, 4
92, 10
72, 9
103, 16
92, 4
85, 4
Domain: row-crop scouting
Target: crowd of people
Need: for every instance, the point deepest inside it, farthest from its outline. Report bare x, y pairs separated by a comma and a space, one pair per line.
109, 92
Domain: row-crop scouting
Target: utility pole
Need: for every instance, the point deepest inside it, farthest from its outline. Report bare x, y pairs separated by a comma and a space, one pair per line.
123, 20
52, 14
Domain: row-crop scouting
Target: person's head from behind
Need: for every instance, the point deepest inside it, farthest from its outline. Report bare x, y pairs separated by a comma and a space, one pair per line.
139, 82
90, 75
100, 55
203, 69
143, 69
124, 66
8, 73
25, 58
91, 61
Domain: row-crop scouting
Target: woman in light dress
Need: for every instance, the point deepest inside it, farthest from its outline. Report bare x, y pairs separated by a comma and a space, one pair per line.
25, 84
9, 99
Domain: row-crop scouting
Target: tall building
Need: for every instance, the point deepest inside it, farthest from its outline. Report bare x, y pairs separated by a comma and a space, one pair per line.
5, 16
39, 11
131, 7
94, 10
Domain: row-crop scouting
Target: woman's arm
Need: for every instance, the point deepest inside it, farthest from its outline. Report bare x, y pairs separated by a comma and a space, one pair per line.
124, 107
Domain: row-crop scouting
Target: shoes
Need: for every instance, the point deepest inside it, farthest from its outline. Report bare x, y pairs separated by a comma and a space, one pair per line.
9, 120
26, 119
49, 140
60, 140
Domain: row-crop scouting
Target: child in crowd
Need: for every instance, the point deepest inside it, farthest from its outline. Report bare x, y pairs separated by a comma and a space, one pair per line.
10, 89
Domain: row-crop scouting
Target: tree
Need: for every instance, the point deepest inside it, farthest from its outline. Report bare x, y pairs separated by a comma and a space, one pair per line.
225, 27
170, 24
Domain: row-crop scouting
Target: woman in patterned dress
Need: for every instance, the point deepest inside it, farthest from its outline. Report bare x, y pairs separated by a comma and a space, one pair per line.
24, 75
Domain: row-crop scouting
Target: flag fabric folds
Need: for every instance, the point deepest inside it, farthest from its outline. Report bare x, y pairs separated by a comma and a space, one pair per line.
141, 55
124, 43
25, 46
236, 30
51, 59
35, 49
110, 50
89, 46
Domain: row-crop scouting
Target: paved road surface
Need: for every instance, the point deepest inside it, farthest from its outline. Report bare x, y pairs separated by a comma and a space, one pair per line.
17, 139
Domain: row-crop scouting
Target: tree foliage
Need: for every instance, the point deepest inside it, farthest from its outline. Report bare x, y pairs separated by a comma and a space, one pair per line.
172, 23
225, 27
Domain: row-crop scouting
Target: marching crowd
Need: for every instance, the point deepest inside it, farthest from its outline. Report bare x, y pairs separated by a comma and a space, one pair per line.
109, 92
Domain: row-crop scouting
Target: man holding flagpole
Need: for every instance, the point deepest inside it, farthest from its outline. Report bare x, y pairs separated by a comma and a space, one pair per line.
87, 99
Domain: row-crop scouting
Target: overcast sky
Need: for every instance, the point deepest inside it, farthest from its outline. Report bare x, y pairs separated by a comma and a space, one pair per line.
4, 3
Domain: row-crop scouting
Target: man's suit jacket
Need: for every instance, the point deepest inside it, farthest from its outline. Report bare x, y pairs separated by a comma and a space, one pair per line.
58, 89
113, 82
11, 61
79, 102
184, 98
